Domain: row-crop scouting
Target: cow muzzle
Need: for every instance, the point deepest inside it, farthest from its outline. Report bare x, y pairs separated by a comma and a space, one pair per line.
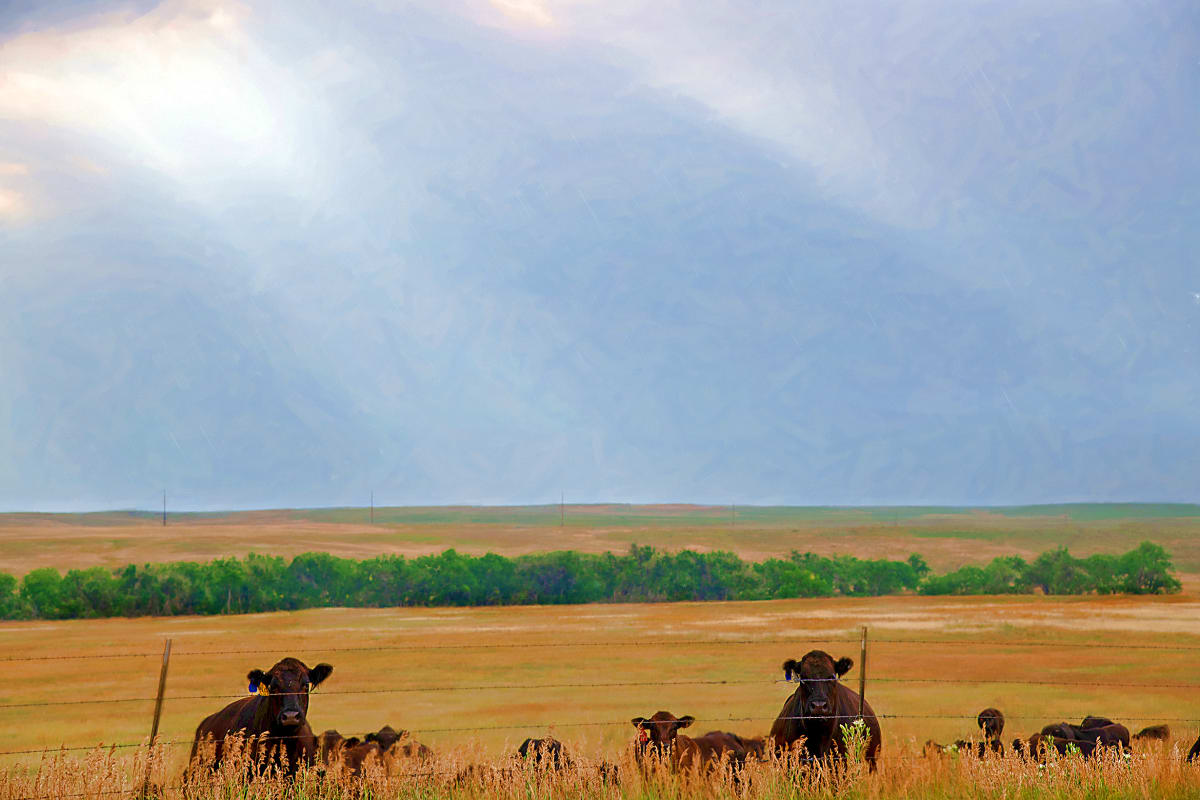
291, 718
818, 707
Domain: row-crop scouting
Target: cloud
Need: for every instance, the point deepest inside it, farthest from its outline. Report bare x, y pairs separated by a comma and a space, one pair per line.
183, 90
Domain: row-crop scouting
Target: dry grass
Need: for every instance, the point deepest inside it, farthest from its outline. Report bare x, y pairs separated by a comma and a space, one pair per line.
946, 540
1160, 773
506, 651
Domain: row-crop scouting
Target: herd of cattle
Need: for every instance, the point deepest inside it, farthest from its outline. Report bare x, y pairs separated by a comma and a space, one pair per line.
811, 726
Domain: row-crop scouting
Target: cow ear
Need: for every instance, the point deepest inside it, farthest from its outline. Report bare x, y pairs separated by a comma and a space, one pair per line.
371, 737
637, 721
256, 677
684, 722
319, 673
789, 667
843, 666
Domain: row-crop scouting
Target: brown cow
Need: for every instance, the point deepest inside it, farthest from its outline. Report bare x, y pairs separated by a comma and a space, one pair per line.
398, 743
1194, 753
273, 719
332, 744
375, 748
658, 737
819, 708
359, 754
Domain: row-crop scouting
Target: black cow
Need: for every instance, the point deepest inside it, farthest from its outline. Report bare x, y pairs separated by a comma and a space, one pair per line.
1097, 729
1153, 733
819, 708
544, 754
1194, 753
273, 719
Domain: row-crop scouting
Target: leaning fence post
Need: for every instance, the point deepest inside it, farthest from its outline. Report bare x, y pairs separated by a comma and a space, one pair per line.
862, 673
158, 703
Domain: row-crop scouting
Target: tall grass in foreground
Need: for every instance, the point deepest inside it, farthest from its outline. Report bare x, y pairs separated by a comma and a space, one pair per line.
1159, 772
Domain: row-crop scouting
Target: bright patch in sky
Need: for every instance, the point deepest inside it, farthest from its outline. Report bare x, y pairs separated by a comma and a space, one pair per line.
181, 90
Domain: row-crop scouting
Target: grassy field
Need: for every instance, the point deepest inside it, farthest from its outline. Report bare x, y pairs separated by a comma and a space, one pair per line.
947, 537
489, 677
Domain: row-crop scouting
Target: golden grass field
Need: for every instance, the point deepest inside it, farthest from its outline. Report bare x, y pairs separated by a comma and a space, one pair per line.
474, 682
517, 659
947, 538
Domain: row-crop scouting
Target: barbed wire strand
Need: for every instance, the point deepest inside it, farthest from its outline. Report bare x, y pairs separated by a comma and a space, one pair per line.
645, 643
601, 685
550, 725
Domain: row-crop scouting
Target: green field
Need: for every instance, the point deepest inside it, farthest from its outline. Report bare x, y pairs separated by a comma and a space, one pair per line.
947, 537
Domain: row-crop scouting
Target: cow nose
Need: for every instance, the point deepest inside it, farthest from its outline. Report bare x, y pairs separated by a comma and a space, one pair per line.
819, 705
289, 718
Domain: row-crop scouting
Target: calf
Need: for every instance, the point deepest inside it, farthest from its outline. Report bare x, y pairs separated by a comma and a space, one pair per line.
544, 754
273, 718
398, 743
658, 737
332, 744
819, 708
381, 747
991, 722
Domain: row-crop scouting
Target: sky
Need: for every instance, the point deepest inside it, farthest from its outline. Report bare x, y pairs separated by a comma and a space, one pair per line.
286, 254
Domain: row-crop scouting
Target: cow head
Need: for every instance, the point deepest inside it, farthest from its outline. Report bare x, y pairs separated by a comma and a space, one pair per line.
286, 686
657, 734
386, 737
991, 722
331, 743
817, 674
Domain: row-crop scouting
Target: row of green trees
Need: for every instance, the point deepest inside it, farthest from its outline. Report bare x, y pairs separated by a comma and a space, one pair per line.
1144, 570
267, 583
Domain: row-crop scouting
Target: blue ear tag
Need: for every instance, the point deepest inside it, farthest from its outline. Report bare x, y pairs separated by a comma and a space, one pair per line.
253, 688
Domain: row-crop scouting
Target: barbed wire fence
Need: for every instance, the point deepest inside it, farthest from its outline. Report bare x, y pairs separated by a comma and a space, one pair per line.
167, 655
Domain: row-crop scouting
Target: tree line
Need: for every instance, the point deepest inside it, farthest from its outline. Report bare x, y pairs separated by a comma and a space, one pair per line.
259, 583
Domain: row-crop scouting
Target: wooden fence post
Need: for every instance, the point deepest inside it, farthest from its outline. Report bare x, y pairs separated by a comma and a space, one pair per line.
862, 673
158, 703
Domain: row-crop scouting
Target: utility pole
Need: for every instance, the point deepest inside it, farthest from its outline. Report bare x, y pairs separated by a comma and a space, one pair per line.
562, 510
372, 506
164, 508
